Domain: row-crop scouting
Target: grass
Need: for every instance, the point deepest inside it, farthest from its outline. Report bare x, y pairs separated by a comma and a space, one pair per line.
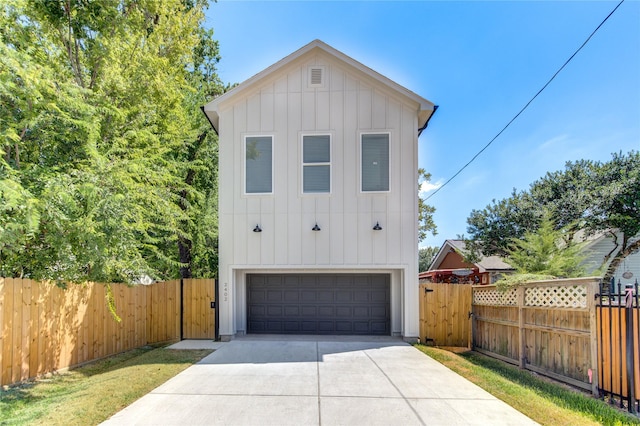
545, 402
93, 393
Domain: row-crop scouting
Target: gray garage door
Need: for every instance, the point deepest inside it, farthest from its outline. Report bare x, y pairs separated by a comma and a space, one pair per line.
318, 304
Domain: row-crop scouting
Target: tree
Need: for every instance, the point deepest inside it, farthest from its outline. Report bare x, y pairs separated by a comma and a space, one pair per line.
544, 252
108, 167
593, 197
425, 211
425, 257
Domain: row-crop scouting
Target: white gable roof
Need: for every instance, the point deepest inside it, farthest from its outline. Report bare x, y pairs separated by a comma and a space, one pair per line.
425, 110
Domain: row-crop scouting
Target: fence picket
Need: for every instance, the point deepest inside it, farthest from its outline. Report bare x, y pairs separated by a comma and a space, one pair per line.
44, 328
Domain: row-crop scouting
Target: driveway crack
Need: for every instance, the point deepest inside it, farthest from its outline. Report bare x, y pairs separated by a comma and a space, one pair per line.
422, 422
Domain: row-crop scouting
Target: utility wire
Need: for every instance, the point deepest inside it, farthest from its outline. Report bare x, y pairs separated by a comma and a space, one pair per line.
527, 104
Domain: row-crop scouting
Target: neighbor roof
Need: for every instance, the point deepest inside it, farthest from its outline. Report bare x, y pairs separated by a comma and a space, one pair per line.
486, 263
425, 110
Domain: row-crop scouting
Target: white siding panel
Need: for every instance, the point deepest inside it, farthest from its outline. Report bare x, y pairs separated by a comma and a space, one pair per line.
226, 169
323, 110
253, 205
280, 85
337, 173
380, 242
323, 240
365, 239
281, 238
267, 240
393, 228
308, 111
240, 239
267, 111
253, 113
337, 79
294, 242
336, 234
350, 152
308, 237
295, 80
364, 108
350, 238
253, 240
379, 111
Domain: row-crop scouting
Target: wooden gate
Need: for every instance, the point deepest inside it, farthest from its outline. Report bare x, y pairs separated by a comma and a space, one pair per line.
198, 309
444, 314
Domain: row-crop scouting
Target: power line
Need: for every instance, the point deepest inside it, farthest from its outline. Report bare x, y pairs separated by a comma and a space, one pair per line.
526, 105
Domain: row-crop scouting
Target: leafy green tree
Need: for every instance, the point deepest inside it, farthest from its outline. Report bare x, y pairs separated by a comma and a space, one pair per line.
425, 212
545, 252
107, 164
425, 257
589, 196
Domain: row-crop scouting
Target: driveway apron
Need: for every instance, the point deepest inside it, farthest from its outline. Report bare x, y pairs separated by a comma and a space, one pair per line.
311, 381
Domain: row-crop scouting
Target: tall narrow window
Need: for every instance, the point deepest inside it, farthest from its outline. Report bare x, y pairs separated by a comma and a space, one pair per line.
258, 165
375, 162
316, 163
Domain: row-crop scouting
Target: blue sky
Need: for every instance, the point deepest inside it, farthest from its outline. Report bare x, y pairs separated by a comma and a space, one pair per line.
480, 62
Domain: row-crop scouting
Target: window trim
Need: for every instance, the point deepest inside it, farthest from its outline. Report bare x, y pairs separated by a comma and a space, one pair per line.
361, 170
303, 164
244, 164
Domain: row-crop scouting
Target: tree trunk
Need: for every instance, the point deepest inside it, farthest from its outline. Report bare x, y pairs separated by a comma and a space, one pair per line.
618, 258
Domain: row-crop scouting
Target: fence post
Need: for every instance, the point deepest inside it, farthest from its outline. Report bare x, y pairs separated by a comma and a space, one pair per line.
630, 345
522, 347
592, 295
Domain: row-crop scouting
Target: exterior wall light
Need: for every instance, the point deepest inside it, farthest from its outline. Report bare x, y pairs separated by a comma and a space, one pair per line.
315, 228
257, 229
377, 227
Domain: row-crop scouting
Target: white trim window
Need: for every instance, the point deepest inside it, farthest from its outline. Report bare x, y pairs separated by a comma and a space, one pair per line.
258, 165
316, 164
374, 155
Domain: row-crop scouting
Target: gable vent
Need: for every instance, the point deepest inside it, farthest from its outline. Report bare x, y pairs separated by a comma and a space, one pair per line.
316, 76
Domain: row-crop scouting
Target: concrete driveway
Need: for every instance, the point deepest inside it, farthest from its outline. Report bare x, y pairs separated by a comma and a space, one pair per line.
318, 381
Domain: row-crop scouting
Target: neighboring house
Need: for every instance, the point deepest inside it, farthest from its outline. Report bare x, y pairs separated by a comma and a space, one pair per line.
598, 247
448, 266
318, 161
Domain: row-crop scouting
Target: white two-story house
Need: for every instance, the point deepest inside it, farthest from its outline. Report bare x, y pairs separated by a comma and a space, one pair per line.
318, 169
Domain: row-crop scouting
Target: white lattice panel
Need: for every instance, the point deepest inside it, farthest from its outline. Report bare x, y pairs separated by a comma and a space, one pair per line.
495, 297
556, 297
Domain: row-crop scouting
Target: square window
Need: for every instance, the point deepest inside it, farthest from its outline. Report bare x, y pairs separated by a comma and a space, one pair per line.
316, 164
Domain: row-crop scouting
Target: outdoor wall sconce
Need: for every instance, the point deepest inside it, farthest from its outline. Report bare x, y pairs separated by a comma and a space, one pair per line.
316, 227
257, 229
377, 227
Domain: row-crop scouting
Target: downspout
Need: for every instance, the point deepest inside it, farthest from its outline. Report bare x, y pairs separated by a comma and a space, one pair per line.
435, 108
216, 130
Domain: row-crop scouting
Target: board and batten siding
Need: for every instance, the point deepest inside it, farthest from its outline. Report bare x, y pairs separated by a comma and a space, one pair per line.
344, 108
282, 104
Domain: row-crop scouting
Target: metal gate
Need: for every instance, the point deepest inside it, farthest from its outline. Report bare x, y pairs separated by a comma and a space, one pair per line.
618, 314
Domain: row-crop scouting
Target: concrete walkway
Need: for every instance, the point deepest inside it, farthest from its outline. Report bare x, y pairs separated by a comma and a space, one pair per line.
315, 381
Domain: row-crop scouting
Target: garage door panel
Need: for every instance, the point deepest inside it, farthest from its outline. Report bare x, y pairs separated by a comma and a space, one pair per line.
344, 311
291, 296
309, 311
318, 304
292, 311
325, 296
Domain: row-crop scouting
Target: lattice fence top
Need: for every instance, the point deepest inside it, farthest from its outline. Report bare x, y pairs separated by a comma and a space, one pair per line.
556, 297
492, 296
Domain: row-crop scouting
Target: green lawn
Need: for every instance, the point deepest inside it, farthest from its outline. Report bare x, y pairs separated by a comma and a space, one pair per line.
91, 394
545, 402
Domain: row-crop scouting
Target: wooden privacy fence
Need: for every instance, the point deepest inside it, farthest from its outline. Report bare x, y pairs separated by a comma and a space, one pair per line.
44, 328
445, 314
549, 327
